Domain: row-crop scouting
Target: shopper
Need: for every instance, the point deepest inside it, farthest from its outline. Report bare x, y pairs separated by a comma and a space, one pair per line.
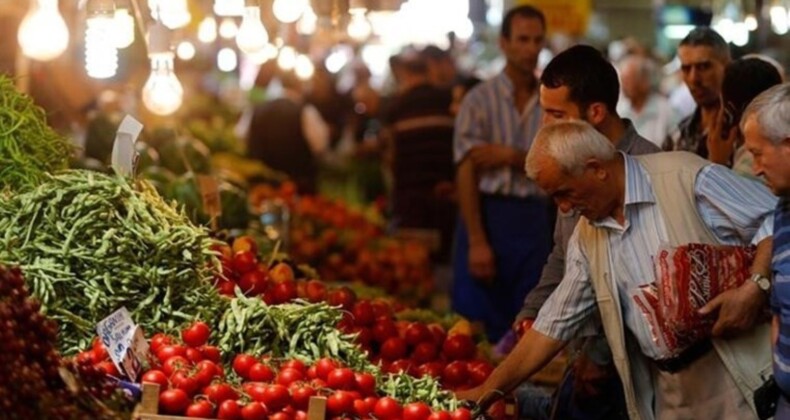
766, 129
651, 113
504, 236
631, 206
703, 55
580, 84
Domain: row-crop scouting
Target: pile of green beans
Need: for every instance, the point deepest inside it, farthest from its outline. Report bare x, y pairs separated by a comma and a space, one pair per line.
29, 148
407, 389
90, 243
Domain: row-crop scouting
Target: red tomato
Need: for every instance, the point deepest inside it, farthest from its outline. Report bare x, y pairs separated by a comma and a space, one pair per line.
158, 341
108, 368
456, 373
438, 333
417, 333
211, 353
403, 365
220, 392
342, 296
294, 364
276, 397
364, 337
340, 402
363, 313
381, 309
254, 411
182, 380
156, 377
206, 370
99, 352
201, 409
242, 364
479, 371
315, 291
171, 365
85, 358
384, 329
229, 410
424, 352
416, 411
226, 288
300, 396
387, 408
244, 261
255, 390
245, 243
288, 376
169, 350
285, 291
440, 415
341, 378
173, 401
194, 355
196, 334
260, 372
461, 414
300, 415
253, 283
394, 348
365, 383
325, 366
362, 409
434, 369
311, 372
458, 347
281, 416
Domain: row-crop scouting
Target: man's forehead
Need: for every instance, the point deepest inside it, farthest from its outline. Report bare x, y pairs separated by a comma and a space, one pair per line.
696, 54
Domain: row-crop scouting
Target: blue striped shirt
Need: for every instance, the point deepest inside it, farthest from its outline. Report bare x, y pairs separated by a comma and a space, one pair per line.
780, 294
488, 114
735, 209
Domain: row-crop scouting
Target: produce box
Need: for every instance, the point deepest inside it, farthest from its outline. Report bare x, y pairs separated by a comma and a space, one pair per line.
148, 408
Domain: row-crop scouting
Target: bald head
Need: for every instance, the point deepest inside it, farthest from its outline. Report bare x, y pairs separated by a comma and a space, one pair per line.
637, 76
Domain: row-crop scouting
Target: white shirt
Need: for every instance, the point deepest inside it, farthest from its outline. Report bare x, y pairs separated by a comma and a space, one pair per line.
655, 121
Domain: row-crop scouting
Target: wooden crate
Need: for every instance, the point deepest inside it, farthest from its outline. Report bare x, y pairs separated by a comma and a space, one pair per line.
148, 409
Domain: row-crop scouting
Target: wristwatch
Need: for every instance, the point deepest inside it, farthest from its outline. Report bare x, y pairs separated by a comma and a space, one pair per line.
764, 283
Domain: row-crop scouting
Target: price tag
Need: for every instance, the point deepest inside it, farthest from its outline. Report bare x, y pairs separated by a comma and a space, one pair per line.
209, 191
125, 342
123, 153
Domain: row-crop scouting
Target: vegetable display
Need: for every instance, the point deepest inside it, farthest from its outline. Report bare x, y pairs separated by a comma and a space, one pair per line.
90, 243
29, 148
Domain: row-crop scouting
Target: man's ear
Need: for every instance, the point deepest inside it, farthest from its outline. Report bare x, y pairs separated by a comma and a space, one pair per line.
598, 168
596, 113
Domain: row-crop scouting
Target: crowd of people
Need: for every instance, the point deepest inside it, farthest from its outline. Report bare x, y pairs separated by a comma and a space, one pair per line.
553, 191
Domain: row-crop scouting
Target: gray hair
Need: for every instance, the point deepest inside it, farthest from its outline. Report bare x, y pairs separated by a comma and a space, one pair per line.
705, 36
645, 68
570, 144
772, 111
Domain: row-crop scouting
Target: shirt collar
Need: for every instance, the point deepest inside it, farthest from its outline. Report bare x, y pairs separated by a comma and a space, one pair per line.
638, 188
628, 140
505, 84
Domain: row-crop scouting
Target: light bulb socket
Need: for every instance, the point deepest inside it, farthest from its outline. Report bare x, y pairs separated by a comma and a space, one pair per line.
101, 7
358, 5
251, 3
159, 37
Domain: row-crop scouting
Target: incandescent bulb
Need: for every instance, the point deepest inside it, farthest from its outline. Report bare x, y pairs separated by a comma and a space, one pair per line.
252, 36
287, 58
304, 67
101, 54
227, 60
359, 28
185, 50
207, 30
162, 93
228, 28
228, 7
124, 28
289, 11
43, 34
172, 13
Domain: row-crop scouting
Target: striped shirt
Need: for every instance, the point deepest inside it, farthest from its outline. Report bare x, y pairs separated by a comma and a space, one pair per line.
780, 294
488, 114
734, 208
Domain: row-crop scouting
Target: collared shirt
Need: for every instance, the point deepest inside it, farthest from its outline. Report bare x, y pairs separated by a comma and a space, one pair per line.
655, 121
488, 115
690, 136
734, 208
780, 293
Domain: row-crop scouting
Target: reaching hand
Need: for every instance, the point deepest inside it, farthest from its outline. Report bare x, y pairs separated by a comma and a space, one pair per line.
481, 262
739, 309
721, 146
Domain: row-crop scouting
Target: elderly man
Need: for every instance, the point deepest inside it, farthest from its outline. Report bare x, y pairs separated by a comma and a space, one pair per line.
766, 128
630, 207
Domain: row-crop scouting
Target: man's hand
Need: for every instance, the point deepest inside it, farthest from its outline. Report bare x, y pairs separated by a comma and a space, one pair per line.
481, 261
721, 146
491, 156
739, 309
473, 394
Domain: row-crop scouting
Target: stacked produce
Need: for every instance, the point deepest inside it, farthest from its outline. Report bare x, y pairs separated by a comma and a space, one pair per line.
31, 385
29, 148
90, 243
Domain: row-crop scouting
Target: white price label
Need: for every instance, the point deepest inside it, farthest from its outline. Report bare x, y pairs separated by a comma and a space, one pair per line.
124, 341
123, 151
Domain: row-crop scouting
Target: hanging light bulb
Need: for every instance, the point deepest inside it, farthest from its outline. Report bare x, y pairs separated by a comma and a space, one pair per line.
162, 93
304, 67
124, 28
359, 28
185, 50
43, 34
229, 7
287, 58
308, 23
228, 28
268, 52
289, 11
252, 36
207, 30
172, 13
101, 54
227, 60
751, 22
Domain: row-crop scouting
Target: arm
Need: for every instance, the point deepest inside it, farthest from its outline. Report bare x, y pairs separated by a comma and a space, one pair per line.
492, 156
481, 257
315, 130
